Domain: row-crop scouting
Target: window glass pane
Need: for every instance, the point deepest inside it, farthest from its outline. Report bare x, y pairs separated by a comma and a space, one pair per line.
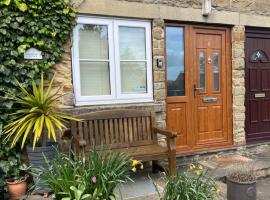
175, 61
95, 78
132, 43
216, 71
259, 55
93, 42
202, 70
133, 77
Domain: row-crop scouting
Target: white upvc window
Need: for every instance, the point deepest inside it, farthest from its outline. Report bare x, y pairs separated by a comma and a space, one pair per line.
112, 61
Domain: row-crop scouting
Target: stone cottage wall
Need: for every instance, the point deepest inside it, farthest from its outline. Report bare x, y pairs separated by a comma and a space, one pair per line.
235, 13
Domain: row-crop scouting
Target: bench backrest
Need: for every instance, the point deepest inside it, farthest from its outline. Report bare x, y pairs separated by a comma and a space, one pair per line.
116, 128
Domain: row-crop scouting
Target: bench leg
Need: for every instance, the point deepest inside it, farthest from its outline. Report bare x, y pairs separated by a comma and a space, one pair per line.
156, 167
172, 165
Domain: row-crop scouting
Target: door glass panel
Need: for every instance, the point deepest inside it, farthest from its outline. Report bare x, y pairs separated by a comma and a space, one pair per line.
175, 61
202, 70
216, 71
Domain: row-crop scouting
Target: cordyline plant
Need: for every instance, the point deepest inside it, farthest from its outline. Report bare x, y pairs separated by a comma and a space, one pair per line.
38, 118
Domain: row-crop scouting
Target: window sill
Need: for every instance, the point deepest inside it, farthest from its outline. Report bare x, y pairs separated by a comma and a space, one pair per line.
100, 103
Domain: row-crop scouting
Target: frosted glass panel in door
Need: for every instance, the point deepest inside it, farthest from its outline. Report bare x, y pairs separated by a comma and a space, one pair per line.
95, 78
93, 42
133, 77
132, 43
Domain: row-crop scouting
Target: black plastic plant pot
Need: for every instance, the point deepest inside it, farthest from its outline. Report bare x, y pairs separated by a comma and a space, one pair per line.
37, 159
241, 191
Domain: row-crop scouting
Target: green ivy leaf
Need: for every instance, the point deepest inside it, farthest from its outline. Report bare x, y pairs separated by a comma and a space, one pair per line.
21, 6
22, 48
40, 42
6, 2
65, 10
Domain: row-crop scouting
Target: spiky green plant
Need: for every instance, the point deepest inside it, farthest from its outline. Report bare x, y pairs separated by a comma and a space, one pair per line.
39, 117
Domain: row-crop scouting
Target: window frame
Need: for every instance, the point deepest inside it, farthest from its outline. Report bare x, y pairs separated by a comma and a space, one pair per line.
114, 62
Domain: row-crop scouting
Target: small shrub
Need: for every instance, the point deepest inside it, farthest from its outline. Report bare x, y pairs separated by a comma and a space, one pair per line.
93, 177
191, 185
242, 173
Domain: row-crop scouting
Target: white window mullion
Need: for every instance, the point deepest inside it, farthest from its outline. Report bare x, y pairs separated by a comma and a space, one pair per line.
117, 60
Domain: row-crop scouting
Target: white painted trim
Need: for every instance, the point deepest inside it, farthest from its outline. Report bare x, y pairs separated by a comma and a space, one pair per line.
115, 82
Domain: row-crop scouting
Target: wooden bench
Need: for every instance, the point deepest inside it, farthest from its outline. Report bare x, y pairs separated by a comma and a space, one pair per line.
129, 131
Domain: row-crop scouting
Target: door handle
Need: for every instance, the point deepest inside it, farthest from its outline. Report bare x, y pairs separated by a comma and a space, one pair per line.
195, 89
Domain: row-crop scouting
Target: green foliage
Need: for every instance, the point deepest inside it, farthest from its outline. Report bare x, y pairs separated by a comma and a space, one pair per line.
191, 185
10, 160
42, 24
95, 176
38, 116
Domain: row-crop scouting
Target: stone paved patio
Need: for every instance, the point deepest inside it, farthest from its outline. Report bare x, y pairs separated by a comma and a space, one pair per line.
219, 165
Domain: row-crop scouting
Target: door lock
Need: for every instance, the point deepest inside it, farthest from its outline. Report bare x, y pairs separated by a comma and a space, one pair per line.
195, 89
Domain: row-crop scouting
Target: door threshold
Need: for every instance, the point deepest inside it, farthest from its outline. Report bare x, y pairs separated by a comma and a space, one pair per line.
208, 151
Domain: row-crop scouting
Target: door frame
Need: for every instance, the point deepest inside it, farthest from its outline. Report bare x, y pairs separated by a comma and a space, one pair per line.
189, 45
253, 32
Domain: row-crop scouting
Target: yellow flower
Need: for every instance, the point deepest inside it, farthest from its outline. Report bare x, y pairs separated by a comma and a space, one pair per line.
141, 166
200, 167
135, 162
218, 190
134, 169
191, 167
198, 172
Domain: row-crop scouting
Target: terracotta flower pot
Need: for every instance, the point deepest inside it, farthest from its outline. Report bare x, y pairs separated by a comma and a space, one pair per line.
16, 189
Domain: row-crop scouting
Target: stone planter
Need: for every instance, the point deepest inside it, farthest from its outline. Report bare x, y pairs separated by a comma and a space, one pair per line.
16, 189
37, 159
243, 191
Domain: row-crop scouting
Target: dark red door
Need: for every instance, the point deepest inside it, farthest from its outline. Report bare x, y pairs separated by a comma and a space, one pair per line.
257, 80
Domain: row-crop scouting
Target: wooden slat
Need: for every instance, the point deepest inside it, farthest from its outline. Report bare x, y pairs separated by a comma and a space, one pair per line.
135, 129
101, 132
126, 137
121, 131
107, 133
130, 130
112, 137
97, 138
80, 129
116, 132
140, 131
92, 141
144, 132
86, 132
148, 128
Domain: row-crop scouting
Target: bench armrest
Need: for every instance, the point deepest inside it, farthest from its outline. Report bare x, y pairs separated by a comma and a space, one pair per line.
167, 133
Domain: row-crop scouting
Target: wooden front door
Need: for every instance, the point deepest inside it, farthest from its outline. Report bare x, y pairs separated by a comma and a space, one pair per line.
257, 79
199, 86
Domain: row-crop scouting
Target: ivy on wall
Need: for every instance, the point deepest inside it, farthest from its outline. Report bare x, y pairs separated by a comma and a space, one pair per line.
42, 24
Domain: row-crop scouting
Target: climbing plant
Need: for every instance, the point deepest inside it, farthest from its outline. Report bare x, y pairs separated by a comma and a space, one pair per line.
41, 24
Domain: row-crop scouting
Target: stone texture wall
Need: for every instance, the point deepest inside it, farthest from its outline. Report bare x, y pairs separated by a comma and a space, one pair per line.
159, 73
245, 6
238, 84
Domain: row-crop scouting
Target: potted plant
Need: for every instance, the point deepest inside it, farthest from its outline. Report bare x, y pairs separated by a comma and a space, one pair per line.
38, 119
241, 183
17, 182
